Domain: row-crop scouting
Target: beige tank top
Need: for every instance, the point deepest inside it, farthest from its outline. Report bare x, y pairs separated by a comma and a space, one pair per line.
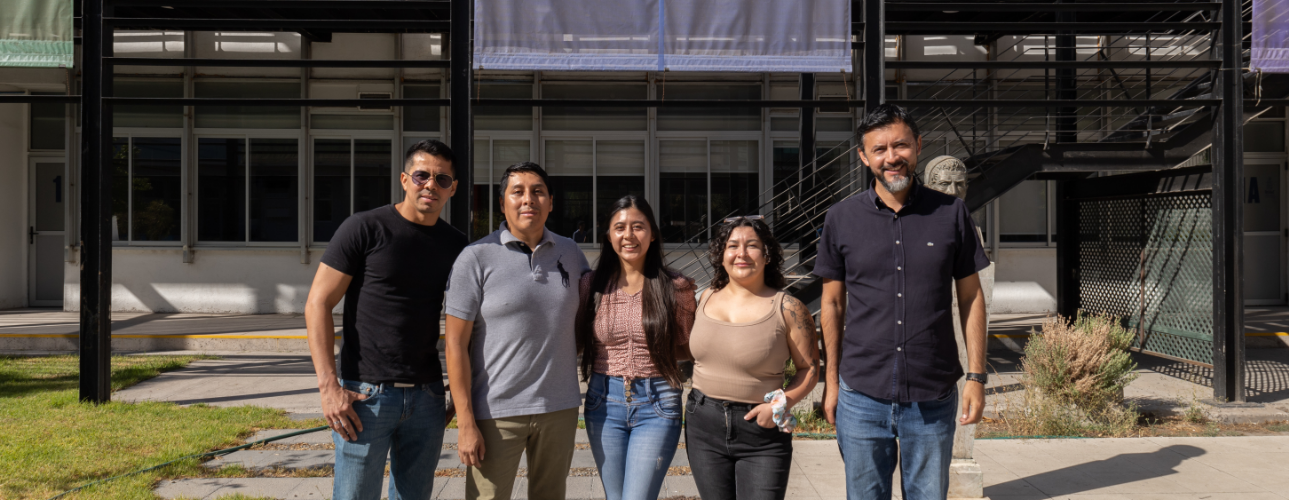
739, 362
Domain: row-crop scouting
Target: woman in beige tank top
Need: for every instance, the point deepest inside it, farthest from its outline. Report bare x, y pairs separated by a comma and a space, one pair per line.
745, 330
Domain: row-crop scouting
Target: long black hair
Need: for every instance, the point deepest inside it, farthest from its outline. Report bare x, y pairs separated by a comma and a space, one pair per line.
658, 297
774, 275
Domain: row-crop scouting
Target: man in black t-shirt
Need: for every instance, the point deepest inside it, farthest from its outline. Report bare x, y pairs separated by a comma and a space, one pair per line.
391, 265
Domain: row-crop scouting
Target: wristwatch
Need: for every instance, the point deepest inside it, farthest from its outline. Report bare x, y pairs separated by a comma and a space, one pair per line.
978, 377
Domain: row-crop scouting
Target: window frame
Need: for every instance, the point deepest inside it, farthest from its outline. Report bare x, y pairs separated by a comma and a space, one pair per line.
303, 185
707, 137
307, 182
131, 133
594, 137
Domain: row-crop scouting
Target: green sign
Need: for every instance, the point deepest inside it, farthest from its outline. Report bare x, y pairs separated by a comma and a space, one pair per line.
36, 33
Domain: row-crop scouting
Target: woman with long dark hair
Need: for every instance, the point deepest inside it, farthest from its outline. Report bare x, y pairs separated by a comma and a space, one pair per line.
632, 327
738, 424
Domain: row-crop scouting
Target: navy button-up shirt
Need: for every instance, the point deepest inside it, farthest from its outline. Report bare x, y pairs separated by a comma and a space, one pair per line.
899, 270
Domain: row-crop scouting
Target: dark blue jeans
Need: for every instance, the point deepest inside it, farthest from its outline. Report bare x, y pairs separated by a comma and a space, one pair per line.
733, 458
405, 423
868, 429
633, 442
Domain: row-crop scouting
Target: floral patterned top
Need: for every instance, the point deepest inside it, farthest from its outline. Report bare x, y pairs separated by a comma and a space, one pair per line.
620, 347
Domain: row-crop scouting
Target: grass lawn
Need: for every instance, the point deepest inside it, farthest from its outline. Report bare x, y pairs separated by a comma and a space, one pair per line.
52, 442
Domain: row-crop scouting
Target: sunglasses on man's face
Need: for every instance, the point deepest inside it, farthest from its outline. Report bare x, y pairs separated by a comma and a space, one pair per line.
421, 177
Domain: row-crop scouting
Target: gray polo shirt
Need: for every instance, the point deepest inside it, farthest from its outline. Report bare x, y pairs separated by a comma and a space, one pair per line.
523, 357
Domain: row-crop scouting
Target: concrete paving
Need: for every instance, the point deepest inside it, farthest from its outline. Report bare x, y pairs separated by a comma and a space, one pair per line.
1086, 469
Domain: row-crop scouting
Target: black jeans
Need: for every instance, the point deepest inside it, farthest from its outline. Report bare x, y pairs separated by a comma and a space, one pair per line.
733, 458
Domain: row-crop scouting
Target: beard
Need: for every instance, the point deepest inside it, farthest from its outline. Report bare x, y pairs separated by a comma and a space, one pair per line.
898, 185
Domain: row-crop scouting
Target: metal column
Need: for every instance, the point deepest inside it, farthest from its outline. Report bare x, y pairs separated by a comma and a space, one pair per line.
96, 207
1067, 220
875, 67
461, 128
875, 79
1228, 230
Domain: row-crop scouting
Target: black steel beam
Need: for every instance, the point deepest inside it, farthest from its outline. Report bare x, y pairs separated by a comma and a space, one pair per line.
340, 25
1067, 220
461, 126
283, 101
1029, 7
96, 208
1198, 63
280, 63
39, 99
1227, 206
1042, 28
181, 5
985, 103
874, 60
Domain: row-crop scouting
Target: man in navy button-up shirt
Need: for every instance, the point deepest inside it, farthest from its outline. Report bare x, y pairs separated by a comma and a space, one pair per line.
890, 258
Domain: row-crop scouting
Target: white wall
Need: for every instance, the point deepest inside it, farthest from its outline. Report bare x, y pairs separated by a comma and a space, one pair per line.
1025, 281
247, 281
13, 206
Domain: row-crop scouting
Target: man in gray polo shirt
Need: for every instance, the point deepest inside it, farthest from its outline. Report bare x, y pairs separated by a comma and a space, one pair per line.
512, 359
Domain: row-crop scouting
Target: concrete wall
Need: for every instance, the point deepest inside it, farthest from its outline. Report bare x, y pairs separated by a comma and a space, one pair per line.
1025, 281
240, 280
13, 206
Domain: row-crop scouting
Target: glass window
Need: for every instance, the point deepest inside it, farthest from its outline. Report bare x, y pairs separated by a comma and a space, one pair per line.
331, 186
569, 163
1265, 137
504, 117
713, 118
147, 190
589, 118
234, 116
1023, 213
274, 183
221, 189
336, 162
490, 160
421, 118
48, 130
733, 178
148, 115
683, 190
248, 190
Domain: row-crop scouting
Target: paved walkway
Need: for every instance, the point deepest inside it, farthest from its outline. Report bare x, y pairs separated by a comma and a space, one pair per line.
1247, 468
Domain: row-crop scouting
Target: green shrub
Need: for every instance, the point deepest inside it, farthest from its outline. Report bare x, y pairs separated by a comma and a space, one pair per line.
1075, 373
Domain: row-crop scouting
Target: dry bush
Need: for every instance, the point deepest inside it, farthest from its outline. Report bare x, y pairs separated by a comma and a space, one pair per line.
1075, 374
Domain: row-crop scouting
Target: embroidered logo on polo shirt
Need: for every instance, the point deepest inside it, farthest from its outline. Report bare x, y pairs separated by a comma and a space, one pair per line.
564, 275
929, 243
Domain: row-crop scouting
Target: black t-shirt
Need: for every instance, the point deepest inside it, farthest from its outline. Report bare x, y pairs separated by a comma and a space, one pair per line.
391, 319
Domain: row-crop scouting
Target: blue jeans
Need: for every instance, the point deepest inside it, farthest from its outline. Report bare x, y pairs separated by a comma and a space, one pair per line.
867, 432
405, 423
633, 441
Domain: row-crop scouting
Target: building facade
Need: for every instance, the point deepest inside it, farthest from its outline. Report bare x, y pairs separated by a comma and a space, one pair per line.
227, 209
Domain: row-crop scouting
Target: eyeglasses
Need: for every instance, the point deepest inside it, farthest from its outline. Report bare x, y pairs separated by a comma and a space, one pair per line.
750, 218
421, 177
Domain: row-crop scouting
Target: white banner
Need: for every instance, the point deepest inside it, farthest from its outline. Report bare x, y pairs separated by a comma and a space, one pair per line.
794, 36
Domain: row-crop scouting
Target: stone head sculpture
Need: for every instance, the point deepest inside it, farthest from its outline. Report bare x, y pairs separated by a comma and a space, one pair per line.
946, 174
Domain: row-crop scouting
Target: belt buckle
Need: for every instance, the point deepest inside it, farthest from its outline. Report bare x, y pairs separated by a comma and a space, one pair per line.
400, 385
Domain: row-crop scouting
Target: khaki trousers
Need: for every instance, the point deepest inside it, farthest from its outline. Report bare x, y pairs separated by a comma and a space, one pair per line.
548, 440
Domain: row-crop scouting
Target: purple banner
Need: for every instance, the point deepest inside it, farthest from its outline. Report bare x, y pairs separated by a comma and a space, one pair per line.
1270, 49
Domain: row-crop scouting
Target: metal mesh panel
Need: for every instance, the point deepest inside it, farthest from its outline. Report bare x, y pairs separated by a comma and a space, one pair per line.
1149, 260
